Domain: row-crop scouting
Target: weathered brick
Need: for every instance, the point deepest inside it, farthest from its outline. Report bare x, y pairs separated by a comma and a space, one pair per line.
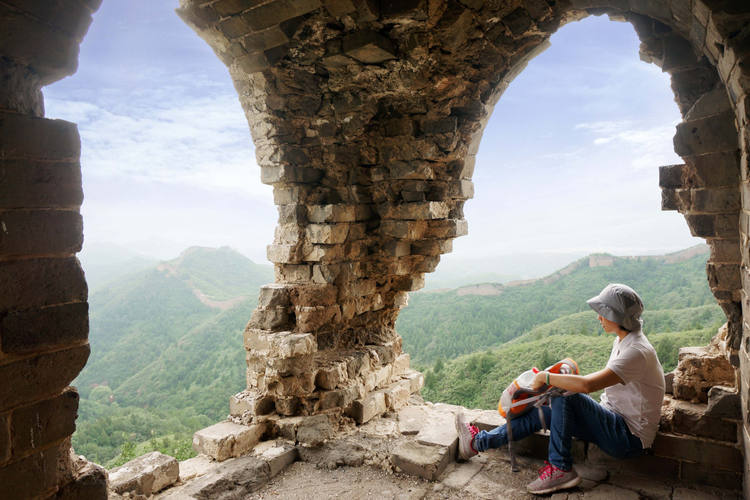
41, 282
365, 409
51, 53
369, 47
38, 138
69, 16
39, 329
36, 474
145, 475
21, 89
671, 176
708, 475
278, 11
725, 250
706, 135
226, 439
40, 232
32, 184
712, 453
40, 376
38, 425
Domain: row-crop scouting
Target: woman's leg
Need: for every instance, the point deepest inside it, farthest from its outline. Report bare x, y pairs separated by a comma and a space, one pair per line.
581, 417
521, 427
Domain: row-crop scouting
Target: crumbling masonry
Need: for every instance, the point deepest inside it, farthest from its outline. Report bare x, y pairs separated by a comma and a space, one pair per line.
366, 117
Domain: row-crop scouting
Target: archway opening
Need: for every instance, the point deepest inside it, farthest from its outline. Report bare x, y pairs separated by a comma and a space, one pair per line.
568, 165
175, 223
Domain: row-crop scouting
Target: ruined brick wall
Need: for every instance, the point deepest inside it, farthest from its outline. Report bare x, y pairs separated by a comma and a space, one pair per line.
43, 309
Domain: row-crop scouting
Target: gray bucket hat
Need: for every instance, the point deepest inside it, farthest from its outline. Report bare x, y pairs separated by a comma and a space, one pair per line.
619, 303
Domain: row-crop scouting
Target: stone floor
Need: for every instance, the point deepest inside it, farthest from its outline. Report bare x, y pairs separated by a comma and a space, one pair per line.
404, 455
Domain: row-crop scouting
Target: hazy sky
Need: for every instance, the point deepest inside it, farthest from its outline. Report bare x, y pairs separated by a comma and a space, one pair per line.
568, 162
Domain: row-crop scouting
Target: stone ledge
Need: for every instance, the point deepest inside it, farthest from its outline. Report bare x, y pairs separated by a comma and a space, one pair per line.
145, 475
227, 439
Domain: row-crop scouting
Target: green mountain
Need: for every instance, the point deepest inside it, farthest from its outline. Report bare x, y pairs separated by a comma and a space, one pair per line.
166, 350
453, 323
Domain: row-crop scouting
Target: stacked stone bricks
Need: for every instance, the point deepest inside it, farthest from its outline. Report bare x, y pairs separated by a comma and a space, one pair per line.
366, 117
43, 308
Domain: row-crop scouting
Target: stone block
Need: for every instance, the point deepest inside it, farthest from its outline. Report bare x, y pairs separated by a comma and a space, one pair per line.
236, 478
439, 430
251, 402
312, 318
648, 465
416, 211
270, 318
49, 375
328, 234
39, 329
672, 176
293, 273
365, 409
448, 228
707, 475
416, 381
315, 430
331, 213
397, 395
35, 475
715, 169
715, 200
706, 135
711, 103
369, 47
281, 345
194, 467
41, 282
725, 251
145, 475
337, 398
683, 417
461, 474
715, 454
38, 425
24, 137
723, 402
421, 460
401, 364
40, 232
274, 295
89, 481
34, 184
332, 375
276, 12
411, 419
227, 439
277, 454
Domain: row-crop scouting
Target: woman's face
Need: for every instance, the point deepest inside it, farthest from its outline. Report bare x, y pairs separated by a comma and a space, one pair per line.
609, 326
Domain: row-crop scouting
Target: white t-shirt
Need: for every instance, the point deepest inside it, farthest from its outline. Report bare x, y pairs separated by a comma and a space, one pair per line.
638, 400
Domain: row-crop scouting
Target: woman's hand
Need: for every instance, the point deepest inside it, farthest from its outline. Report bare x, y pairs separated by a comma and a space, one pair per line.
540, 380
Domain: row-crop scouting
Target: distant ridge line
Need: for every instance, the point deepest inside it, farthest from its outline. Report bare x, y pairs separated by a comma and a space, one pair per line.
592, 260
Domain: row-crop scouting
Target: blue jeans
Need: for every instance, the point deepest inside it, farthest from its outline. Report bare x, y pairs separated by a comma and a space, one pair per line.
575, 416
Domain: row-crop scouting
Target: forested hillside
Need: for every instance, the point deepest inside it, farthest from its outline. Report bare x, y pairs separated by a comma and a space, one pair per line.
167, 341
453, 323
166, 353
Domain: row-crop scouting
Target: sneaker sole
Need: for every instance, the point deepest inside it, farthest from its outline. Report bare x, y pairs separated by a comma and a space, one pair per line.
570, 484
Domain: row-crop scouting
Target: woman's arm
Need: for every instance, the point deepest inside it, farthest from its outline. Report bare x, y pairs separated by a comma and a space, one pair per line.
578, 383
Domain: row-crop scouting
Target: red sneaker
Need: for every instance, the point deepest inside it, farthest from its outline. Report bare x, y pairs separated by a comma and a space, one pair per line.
552, 479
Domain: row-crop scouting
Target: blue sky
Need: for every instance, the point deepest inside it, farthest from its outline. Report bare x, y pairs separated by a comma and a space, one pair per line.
568, 161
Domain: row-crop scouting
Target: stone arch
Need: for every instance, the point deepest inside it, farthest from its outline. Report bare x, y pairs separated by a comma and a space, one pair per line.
366, 117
